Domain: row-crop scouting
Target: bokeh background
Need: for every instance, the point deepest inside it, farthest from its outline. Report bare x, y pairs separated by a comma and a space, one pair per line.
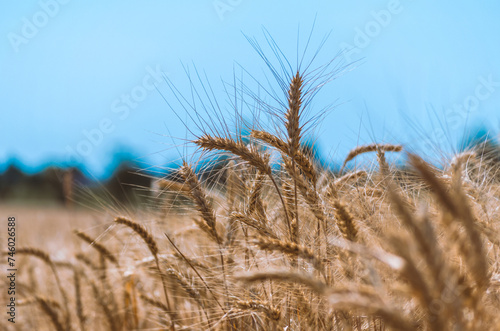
85, 86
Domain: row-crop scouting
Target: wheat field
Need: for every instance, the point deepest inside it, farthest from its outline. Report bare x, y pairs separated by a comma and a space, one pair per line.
273, 240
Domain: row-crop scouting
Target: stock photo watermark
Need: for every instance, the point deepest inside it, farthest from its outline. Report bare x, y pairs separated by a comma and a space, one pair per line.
223, 7
363, 36
120, 108
32, 25
457, 115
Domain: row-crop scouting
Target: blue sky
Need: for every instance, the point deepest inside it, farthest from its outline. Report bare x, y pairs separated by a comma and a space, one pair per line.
81, 79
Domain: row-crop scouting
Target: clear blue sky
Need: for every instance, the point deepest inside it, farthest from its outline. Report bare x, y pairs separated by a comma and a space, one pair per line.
69, 68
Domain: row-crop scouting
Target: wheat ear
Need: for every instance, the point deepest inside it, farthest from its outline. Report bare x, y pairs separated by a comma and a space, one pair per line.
309, 193
190, 290
207, 212
370, 148
251, 156
99, 247
286, 276
102, 302
78, 298
46, 258
457, 206
300, 158
153, 302
170, 185
291, 249
201, 201
46, 306
292, 116
345, 221
255, 204
153, 247
271, 312
356, 300
260, 227
193, 267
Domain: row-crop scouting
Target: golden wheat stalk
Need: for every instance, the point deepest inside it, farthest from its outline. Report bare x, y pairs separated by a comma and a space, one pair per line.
47, 308
106, 309
189, 289
153, 248
292, 116
40, 254
356, 300
252, 156
424, 236
181, 280
345, 221
99, 247
28, 301
300, 158
355, 175
291, 249
78, 299
309, 193
153, 302
457, 206
260, 227
201, 201
262, 306
87, 261
170, 185
255, 204
142, 232
421, 288
289, 196
193, 266
287, 277
370, 148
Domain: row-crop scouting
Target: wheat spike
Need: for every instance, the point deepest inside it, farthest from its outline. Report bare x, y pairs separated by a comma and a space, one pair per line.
251, 156
309, 193
78, 299
99, 247
46, 258
260, 227
292, 116
457, 206
153, 247
371, 148
46, 306
286, 276
170, 185
255, 204
141, 231
271, 312
289, 248
153, 302
201, 201
300, 158
345, 221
